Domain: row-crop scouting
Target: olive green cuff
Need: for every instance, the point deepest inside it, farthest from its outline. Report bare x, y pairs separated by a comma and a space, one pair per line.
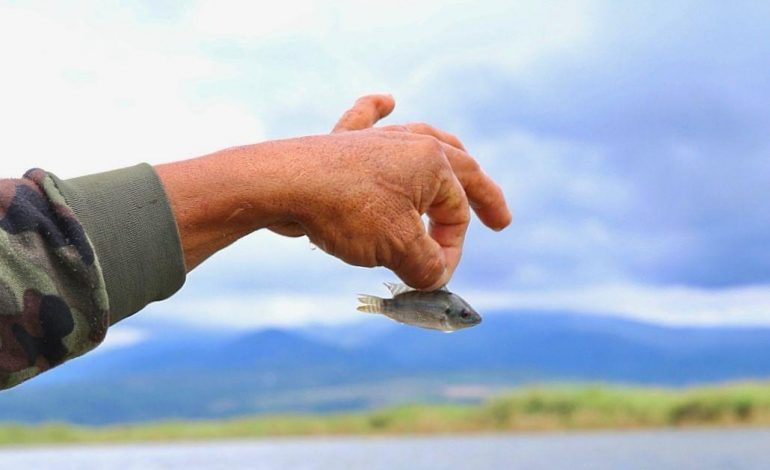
129, 220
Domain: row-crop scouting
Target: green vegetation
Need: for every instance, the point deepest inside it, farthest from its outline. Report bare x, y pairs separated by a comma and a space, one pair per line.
529, 409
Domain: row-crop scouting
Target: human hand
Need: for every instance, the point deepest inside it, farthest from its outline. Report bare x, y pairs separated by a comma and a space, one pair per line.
384, 179
484, 195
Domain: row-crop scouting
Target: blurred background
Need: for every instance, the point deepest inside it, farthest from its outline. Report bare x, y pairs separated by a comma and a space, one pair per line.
629, 137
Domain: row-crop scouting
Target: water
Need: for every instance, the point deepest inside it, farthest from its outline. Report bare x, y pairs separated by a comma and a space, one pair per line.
670, 449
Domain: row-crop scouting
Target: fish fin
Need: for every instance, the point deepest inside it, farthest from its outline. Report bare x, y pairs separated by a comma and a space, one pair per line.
370, 304
444, 288
396, 289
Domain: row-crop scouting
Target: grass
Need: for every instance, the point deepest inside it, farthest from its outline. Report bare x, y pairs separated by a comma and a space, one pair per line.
528, 409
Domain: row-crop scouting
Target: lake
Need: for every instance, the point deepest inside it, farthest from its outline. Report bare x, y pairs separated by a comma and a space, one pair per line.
656, 449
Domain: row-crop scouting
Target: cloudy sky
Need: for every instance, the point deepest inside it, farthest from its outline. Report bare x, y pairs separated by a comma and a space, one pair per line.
631, 140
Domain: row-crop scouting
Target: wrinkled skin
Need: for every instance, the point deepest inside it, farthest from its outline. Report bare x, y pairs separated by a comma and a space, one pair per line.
357, 193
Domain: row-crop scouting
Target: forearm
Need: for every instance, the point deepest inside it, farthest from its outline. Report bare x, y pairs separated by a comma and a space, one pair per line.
219, 198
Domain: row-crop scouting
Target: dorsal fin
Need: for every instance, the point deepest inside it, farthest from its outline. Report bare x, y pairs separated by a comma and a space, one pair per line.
396, 289
444, 288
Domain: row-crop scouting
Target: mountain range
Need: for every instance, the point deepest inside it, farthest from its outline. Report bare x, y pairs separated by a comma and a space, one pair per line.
191, 373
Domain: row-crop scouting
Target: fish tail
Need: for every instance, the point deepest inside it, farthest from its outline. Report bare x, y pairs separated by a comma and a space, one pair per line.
370, 304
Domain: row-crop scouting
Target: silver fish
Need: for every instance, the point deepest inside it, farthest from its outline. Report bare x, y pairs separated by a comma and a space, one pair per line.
436, 310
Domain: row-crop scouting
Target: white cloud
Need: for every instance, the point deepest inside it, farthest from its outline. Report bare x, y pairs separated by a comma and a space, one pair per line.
121, 336
90, 86
288, 308
250, 20
80, 99
665, 305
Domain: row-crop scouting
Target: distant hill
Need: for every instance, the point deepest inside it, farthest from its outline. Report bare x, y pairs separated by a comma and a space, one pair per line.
197, 374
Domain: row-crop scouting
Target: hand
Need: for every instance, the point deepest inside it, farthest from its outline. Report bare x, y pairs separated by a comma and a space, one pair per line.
485, 196
389, 231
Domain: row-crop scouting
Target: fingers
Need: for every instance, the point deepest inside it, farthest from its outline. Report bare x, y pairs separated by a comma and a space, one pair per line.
484, 195
426, 129
365, 113
432, 257
442, 136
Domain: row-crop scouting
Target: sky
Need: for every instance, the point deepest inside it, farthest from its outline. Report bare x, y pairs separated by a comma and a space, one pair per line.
630, 139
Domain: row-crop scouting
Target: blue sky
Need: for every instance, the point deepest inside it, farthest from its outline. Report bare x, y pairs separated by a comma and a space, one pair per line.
630, 139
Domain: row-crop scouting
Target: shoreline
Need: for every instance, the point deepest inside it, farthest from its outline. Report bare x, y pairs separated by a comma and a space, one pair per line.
316, 438
531, 410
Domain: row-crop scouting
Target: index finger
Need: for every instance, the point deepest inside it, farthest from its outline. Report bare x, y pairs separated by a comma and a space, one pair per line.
486, 197
365, 113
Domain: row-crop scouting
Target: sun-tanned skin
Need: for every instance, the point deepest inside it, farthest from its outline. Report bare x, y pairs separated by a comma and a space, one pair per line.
358, 193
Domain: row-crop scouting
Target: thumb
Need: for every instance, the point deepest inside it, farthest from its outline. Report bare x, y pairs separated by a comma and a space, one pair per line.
423, 264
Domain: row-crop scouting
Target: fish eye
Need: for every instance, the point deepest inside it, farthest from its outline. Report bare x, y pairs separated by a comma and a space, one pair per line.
465, 314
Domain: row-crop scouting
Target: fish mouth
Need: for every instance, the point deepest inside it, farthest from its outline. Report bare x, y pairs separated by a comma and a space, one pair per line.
470, 317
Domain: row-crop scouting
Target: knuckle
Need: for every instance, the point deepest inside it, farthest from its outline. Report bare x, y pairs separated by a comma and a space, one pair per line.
463, 210
421, 127
473, 165
428, 172
394, 127
431, 146
454, 140
373, 101
474, 182
491, 193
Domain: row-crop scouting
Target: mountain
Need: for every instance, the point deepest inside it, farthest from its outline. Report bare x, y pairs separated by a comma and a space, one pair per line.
187, 373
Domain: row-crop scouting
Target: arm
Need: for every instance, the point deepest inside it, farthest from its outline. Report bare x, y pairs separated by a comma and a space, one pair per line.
79, 255
358, 193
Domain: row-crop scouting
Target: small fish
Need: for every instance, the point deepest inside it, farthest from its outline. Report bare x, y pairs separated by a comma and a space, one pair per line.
436, 310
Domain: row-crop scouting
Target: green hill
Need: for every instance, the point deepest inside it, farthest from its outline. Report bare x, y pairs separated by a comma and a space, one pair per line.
528, 409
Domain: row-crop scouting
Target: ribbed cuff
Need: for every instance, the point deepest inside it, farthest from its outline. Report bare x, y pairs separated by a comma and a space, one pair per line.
128, 219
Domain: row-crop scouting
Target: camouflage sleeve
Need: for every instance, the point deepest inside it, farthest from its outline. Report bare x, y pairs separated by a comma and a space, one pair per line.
75, 257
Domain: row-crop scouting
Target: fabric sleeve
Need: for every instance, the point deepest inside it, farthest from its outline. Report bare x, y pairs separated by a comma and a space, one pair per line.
75, 257
129, 220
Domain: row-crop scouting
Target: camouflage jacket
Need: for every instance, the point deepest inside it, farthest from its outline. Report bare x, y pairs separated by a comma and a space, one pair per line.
76, 256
